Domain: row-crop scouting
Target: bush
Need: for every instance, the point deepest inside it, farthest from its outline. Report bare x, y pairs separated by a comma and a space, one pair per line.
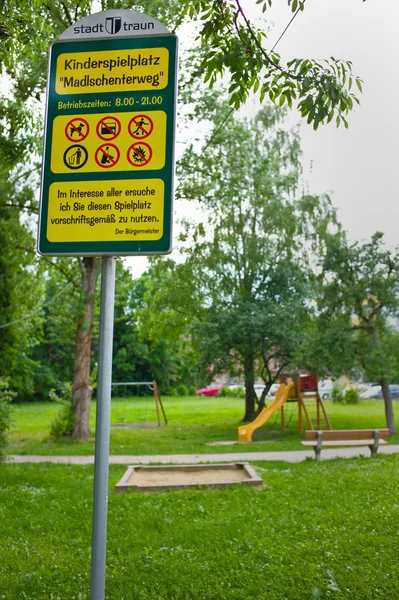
191, 390
64, 423
352, 396
349, 396
337, 396
6, 397
232, 393
182, 390
172, 392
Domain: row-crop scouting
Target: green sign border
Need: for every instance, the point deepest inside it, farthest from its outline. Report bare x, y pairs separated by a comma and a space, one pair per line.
111, 248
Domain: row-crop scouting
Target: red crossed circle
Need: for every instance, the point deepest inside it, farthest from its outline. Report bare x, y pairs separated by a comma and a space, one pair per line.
105, 157
105, 130
143, 129
77, 129
142, 152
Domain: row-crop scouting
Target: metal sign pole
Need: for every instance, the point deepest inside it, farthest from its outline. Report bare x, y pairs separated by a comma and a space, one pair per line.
101, 460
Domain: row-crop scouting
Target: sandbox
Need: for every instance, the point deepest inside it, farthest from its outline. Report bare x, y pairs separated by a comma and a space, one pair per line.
140, 478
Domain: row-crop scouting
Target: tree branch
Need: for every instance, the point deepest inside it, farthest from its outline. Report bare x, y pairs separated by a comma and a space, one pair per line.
257, 43
28, 208
61, 270
53, 264
67, 13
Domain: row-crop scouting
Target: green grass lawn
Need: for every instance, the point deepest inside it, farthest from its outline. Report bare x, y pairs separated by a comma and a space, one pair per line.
193, 423
317, 530
327, 531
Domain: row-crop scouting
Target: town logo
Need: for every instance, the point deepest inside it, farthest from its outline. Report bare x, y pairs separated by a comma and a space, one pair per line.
113, 24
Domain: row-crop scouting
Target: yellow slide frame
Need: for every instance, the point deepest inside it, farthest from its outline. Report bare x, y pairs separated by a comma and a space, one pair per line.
283, 393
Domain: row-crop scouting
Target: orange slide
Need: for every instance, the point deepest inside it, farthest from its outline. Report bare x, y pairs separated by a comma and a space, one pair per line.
283, 393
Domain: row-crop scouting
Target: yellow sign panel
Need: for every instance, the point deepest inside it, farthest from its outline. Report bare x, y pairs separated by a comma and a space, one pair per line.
97, 143
112, 71
101, 211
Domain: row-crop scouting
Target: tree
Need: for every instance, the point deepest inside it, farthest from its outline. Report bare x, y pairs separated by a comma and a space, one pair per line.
164, 353
246, 276
53, 354
23, 59
21, 294
21, 286
131, 356
231, 43
358, 308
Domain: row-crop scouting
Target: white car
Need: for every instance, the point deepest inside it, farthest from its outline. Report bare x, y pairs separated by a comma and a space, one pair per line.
372, 392
272, 392
259, 387
359, 387
325, 388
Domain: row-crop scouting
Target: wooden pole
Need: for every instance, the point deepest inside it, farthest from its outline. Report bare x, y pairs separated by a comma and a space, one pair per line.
156, 390
156, 402
300, 426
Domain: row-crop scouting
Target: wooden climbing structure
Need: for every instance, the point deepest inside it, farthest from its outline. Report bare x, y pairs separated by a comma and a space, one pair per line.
310, 405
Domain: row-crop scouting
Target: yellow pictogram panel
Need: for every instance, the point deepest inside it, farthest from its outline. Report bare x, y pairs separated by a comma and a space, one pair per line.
109, 142
112, 71
101, 211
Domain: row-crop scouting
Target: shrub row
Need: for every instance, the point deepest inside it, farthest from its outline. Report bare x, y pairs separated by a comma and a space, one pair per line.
351, 396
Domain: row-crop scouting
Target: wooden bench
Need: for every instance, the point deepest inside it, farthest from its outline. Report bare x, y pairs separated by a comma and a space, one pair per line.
345, 437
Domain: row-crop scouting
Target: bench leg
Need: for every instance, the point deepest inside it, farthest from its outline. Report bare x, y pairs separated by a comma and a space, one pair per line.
317, 449
374, 446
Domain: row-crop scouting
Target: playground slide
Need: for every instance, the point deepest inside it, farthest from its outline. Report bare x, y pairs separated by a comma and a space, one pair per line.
245, 431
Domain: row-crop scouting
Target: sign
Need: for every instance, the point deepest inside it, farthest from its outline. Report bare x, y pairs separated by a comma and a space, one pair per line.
108, 164
114, 24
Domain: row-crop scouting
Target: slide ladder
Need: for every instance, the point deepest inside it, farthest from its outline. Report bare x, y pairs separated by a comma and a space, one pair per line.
315, 412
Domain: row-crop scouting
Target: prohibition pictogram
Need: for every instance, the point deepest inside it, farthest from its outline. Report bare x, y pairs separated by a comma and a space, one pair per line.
140, 127
107, 155
139, 154
77, 129
75, 157
108, 128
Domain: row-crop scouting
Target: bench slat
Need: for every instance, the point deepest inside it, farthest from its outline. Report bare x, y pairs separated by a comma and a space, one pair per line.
346, 434
336, 443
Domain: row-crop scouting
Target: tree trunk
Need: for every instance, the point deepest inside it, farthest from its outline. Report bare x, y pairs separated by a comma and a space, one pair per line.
385, 390
250, 396
262, 399
388, 406
82, 389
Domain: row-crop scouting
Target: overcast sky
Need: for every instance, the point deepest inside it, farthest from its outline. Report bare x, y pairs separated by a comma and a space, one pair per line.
358, 166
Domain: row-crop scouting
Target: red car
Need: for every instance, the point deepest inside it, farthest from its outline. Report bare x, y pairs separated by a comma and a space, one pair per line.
209, 390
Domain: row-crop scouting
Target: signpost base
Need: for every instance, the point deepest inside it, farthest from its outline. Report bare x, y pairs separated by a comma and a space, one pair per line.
100, 501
